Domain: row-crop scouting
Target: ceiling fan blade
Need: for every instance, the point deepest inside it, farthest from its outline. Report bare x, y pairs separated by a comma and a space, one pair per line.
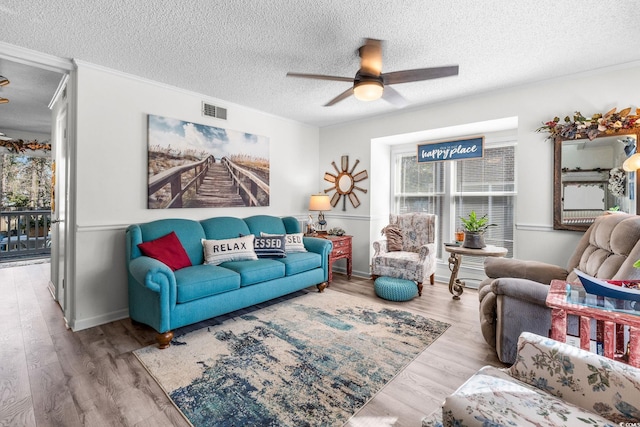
393, 97
419, 74
321, 77
371, 57
344, 95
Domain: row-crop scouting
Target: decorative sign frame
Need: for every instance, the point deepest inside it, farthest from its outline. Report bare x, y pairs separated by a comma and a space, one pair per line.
191, 165
459, 149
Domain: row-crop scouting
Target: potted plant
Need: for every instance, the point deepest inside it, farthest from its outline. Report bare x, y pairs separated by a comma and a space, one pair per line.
474, 228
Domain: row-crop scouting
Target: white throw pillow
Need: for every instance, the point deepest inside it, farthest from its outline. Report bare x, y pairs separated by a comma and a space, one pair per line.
238, 249
292, 242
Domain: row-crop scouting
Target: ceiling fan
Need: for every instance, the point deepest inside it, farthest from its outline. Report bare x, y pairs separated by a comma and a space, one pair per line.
370, 83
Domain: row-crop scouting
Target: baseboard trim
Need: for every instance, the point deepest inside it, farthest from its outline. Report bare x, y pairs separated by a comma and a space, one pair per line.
81, 324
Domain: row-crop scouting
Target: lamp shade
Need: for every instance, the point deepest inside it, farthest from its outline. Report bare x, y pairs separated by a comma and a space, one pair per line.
632, 164
319, 202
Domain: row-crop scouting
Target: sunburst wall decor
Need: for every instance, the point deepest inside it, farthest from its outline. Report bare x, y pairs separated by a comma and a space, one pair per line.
344, 183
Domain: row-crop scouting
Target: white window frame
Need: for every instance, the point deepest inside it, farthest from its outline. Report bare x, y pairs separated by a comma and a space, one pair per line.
448, 219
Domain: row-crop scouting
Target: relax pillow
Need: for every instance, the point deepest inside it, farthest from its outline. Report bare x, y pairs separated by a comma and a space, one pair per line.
238, 249
293, 242
168, 250
394, 237
270, 246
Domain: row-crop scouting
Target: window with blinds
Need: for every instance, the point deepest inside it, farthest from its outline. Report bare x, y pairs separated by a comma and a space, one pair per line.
455, 188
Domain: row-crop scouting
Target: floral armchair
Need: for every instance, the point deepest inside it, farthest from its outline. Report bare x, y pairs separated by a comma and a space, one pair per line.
550, 384
409, 251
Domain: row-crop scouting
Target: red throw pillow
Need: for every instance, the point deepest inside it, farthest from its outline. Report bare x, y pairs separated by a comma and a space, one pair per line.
168, 250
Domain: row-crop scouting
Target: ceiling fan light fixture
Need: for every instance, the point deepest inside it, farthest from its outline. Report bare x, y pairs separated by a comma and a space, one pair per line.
369, 90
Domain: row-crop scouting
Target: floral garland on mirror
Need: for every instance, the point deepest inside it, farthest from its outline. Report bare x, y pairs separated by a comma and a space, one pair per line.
591, 127
20, 146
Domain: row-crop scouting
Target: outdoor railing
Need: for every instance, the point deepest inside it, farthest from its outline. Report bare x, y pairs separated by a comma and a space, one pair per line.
25, 234
250, 187
173, 176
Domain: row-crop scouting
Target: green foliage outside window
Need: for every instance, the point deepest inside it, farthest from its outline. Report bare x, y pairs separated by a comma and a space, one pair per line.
25, 182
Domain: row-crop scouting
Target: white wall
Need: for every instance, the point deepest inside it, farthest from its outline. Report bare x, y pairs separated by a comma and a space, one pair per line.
589, 93
111, 159
111, 176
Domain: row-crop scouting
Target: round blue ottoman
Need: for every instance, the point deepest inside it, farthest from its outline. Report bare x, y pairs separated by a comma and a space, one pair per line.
393, 289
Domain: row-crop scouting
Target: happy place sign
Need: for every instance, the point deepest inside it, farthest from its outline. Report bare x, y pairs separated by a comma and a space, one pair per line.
461, 149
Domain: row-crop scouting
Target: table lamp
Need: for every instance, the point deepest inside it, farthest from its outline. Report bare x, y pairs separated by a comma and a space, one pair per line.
319, 203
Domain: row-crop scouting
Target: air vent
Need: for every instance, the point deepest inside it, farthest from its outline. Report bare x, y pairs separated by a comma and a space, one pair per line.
213, 111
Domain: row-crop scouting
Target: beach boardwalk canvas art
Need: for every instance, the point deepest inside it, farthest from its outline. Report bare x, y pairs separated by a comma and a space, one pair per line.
198, 166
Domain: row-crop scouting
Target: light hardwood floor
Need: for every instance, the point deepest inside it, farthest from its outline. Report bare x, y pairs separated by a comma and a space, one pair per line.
50, 376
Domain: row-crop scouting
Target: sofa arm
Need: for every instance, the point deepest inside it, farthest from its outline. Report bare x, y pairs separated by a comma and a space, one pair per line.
522, 289
607, 387
320, 246
379, 247
541, 272
145, 270
156, 277
152, 292
427, 250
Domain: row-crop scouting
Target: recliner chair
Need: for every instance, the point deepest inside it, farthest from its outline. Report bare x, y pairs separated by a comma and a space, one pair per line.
513, 298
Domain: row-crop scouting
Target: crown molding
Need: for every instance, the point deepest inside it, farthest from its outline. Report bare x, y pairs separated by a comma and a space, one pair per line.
210, 99
33, 58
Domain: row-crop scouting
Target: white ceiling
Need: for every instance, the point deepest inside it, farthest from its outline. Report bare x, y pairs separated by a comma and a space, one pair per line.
240, 51
29, 93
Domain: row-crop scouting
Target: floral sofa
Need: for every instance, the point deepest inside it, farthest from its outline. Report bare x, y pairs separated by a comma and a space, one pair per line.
550, 384
183, 271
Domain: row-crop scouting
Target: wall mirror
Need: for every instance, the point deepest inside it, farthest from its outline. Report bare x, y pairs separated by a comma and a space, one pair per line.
344, 182
589, 179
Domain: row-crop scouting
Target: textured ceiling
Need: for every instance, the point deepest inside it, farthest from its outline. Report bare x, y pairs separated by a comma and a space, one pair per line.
240, 51
29, 93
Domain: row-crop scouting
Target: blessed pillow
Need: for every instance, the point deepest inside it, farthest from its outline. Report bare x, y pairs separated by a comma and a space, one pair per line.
168, 250
238, 249
270, 246
394, 237
293, 242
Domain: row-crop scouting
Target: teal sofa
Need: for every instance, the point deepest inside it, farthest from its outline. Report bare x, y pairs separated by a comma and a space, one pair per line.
166, 299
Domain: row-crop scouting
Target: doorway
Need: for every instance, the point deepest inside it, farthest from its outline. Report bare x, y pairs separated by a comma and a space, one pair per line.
38, 109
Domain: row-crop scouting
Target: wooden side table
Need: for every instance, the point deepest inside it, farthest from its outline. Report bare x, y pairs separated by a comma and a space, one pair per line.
456, 286
342, 249
566, 299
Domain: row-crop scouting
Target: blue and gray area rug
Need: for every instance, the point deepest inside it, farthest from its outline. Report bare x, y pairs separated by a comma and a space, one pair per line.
312, 360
